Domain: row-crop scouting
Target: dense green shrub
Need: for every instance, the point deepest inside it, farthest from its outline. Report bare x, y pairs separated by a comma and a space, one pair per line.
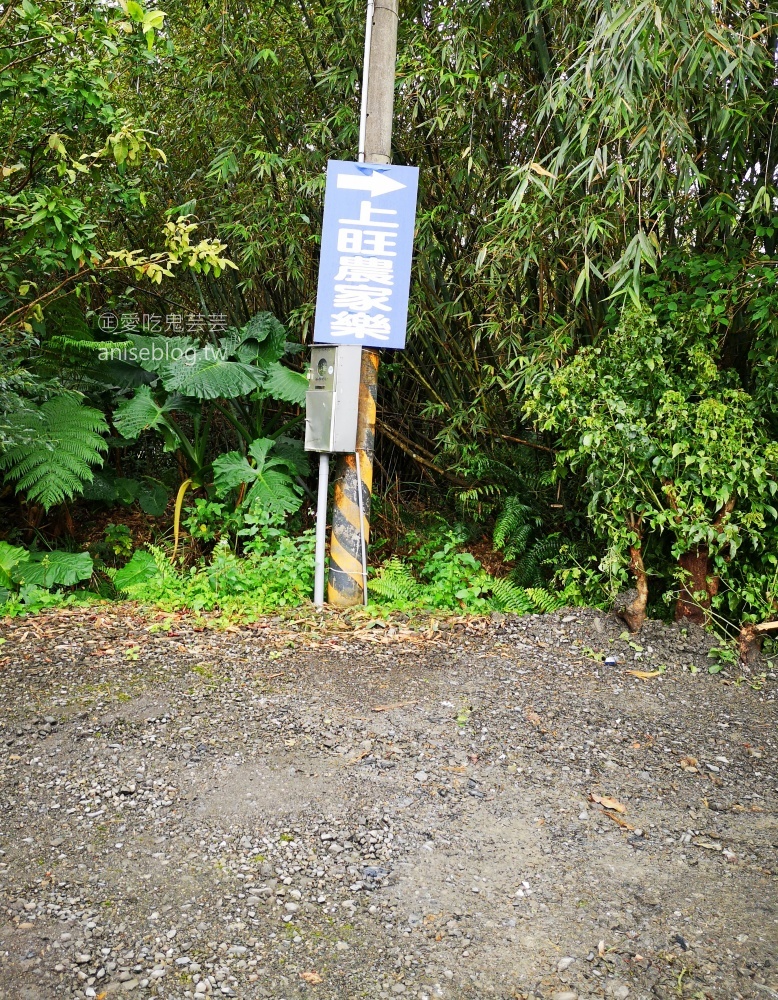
670, 447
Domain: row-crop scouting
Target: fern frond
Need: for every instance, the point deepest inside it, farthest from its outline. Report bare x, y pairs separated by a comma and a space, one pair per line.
529, 571
544, 600
60, 442
506, 596
395, 583
512, 516
513, 527
480, 498
82, 347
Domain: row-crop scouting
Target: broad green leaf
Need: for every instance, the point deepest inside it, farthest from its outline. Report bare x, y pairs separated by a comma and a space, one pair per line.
101, 489
293, 452
283, 383
54, 569
153, 354
269, 477
139, 414
10, 557
209, 377
139, 570
134, 9
153, 498
153, 19
262, 340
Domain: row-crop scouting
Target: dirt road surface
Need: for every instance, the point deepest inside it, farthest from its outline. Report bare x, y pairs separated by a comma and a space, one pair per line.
323, 810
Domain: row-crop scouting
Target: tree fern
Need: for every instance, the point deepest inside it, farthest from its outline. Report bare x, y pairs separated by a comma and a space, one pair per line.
395, 583
61, 441
75, 348
70, 338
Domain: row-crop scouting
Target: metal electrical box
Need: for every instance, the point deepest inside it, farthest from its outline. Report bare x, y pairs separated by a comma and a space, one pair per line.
332, 399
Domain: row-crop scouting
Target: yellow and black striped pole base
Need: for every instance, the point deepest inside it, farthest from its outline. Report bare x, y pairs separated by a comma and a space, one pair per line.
345, 585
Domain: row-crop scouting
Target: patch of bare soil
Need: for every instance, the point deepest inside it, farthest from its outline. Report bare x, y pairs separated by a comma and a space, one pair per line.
305, 809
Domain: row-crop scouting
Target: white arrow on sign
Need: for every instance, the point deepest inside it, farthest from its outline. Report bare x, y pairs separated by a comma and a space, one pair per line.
375, 182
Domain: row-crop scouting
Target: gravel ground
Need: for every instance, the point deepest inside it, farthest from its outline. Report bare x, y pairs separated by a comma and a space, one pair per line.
476, 809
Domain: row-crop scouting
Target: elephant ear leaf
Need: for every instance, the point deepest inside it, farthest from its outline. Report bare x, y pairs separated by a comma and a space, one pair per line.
262, 340
155, 353
269, 477
293, 451
141, 413
231, 471
207, 375
54, 569
285, 384
138, 571
10, 557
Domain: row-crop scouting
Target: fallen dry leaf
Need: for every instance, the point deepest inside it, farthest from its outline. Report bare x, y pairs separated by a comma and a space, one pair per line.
607, 802
709, 845
618, 819
312, 978
645, 675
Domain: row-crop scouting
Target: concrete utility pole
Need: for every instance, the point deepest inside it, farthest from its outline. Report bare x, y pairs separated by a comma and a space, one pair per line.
354, 473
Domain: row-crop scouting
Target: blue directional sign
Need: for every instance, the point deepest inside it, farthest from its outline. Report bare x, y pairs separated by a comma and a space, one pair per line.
366, 250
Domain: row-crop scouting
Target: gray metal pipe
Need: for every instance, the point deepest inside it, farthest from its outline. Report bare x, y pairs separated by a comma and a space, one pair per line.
321, 529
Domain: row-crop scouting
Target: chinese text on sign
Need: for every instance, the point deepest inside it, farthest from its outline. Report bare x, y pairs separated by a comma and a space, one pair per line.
366, 250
